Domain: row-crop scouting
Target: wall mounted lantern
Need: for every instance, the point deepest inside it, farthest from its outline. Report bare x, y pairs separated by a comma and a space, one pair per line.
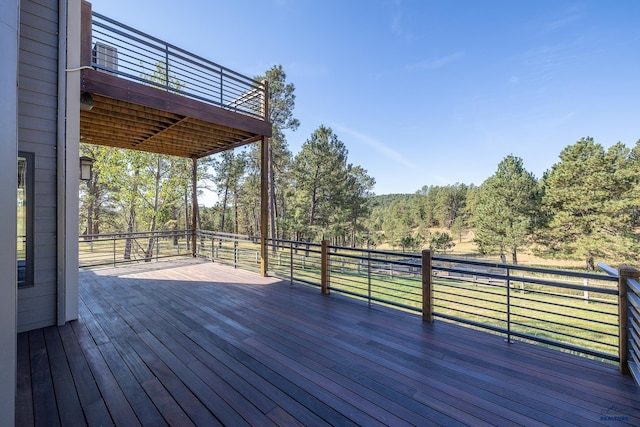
86, 102
86, 168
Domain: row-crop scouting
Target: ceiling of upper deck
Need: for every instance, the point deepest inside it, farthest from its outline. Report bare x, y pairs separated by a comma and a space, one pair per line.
130, 115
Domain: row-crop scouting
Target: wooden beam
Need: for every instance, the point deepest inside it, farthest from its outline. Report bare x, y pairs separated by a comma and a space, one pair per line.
112, 86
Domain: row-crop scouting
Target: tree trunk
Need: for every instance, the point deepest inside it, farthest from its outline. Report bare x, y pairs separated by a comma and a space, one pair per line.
90, 212
224, 207
273, 212
235, 212
156, 203
175, 226
186, 215
514, 256
590, 263
132, 215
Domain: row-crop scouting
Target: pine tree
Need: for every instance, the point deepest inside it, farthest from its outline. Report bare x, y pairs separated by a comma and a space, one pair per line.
588, 206
506, 209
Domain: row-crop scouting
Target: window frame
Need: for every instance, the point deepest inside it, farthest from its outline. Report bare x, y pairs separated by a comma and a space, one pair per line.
29, 221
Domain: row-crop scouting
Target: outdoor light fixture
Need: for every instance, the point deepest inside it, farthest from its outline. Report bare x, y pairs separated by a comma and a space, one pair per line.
86, 168
86, 101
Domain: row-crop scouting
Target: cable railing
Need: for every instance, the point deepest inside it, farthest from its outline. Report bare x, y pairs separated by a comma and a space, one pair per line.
131, 54
388, 278
96, 250
575, 311
230, 249
569, 310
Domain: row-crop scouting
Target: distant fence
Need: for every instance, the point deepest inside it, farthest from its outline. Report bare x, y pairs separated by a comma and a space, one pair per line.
570, 310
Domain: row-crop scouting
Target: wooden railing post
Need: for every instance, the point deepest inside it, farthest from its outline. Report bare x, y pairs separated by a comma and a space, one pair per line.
324, 267
623, 316
427, 287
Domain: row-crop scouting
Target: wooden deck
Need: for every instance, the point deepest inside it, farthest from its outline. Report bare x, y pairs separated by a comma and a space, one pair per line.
190, 343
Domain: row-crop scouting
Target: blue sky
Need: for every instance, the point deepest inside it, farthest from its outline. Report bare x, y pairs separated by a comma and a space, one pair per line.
427, 92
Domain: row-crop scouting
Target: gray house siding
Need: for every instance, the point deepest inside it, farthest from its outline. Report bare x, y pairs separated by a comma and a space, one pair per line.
37, 134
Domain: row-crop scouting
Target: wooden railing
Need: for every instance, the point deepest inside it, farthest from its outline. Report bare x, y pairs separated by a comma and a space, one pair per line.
118, 49
573, 311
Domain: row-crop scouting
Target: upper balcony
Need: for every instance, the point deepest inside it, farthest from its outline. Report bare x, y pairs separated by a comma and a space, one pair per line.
141, 93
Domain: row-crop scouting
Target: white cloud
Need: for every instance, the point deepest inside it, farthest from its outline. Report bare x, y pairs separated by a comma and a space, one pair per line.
378, 146
562, 22
434, 63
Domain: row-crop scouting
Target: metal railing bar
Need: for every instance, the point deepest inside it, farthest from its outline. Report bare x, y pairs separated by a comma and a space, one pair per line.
531, 280
542, 270
379, 300
547, 341
472, 322
609, 270
456, 309
572, 297
567, 346
475, 291
235, 74
566, 325
561, 334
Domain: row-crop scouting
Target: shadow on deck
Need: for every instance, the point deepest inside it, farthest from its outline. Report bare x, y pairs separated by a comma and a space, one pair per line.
191, 343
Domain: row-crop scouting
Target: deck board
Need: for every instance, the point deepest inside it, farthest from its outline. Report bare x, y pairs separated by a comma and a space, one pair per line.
193, 343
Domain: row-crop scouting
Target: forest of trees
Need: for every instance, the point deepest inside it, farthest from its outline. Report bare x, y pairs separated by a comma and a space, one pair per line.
585, 207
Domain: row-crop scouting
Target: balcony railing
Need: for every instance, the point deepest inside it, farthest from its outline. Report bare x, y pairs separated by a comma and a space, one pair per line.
569, 310
134, 55
97, 250
629, 312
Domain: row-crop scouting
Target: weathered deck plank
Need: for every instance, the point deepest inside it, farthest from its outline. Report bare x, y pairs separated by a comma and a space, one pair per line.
189, 343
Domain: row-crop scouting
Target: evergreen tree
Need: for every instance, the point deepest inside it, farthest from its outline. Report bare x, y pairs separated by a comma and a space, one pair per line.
281, 104
588, 204
320, 182
506, 209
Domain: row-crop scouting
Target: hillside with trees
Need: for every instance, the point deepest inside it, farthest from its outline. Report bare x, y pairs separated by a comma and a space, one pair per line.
586, 207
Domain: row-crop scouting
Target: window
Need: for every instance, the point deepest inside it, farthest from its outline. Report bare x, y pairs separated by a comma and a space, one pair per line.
25, 219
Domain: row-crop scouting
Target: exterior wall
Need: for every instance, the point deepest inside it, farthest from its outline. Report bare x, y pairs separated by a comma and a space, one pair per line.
9, 32
37, 133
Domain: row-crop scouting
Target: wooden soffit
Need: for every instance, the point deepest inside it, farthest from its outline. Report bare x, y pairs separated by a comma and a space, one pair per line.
134, 116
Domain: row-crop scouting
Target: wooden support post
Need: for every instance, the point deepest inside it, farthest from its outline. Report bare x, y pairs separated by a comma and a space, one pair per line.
194, 203
264, 205
324, 267
427, 287
624, 273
